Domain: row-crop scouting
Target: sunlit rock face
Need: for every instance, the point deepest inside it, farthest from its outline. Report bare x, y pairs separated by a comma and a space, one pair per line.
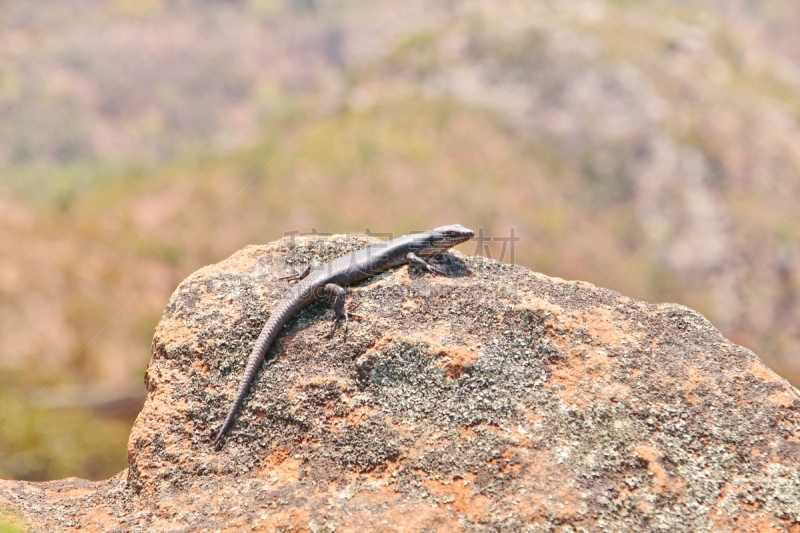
497, 399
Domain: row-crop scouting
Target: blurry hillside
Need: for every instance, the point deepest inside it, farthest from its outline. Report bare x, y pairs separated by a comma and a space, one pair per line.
649, 147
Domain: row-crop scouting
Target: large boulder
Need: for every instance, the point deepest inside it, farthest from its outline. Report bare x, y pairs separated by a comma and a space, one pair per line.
493, 399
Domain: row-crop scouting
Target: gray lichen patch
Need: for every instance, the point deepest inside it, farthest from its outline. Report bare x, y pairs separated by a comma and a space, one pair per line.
495, 399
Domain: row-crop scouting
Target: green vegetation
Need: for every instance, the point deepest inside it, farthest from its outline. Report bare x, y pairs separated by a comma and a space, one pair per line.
7, 525
40, 443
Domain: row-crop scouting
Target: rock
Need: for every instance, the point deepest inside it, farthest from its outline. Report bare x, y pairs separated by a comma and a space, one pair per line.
497, 399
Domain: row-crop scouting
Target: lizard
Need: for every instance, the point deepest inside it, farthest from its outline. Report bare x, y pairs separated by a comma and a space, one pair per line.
327, 280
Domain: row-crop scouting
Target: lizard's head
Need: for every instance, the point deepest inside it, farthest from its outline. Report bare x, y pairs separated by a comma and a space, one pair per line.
445, 237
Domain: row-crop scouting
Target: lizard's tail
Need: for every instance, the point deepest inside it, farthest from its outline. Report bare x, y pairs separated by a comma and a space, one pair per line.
253, 363
226, 426
265, 338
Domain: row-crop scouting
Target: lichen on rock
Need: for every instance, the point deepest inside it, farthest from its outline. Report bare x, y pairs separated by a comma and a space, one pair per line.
498, 399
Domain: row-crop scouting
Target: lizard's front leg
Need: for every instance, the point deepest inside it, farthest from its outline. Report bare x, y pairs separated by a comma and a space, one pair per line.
416, 261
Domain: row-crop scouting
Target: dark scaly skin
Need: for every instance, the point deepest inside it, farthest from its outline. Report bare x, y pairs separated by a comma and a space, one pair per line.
343, 271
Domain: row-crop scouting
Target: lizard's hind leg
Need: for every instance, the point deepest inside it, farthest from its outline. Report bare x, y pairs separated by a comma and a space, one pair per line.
339, 308
297, 276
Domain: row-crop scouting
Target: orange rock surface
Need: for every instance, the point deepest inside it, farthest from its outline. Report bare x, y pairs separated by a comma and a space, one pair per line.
495, 400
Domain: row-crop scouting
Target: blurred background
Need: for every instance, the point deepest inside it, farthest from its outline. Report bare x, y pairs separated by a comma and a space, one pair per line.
652, 147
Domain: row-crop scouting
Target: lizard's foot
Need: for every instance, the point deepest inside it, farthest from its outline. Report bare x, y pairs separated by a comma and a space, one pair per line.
417, 262
347, 315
